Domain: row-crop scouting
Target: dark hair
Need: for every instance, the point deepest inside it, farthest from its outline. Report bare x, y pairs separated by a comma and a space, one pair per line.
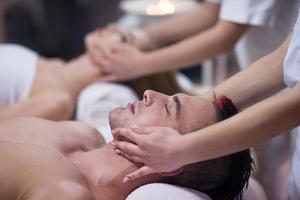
224, 178
165, 83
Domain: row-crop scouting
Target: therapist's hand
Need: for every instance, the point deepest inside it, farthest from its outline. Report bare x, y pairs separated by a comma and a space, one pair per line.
124, 62
156, 147
100, 42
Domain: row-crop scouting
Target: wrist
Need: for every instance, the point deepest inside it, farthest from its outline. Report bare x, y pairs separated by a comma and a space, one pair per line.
181, 146
209, 95
146, 64
143, 40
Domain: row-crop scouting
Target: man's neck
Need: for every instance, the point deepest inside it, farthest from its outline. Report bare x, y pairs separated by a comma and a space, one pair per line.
104, 171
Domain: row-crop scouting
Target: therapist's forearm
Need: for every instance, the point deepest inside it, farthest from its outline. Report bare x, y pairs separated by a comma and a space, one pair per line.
208, 44
260, 80
200, 18
260, 122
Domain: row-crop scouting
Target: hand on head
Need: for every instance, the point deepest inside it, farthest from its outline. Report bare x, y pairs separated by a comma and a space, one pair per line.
156, 147
99, 42
116, 53
167, 117
125, 62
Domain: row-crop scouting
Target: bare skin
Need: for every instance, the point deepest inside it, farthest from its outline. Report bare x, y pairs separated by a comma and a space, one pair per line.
149, 52
47, 160
55, 89
53, 165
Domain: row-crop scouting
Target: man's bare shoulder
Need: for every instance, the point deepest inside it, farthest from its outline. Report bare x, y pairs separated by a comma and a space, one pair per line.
39, 172
66, 136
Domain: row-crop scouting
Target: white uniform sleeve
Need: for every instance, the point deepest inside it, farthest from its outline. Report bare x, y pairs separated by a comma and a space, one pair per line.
252, 12
291, 62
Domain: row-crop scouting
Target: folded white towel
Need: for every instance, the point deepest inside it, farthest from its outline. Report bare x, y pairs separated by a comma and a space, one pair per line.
159, 191
97, 100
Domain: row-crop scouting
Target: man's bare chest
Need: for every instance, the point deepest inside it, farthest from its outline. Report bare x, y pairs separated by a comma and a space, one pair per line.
31, 169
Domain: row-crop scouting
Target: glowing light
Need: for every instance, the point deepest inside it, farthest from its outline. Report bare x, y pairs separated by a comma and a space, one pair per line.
166, 6
163, 7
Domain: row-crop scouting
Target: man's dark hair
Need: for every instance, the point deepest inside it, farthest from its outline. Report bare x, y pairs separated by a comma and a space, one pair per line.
224, 178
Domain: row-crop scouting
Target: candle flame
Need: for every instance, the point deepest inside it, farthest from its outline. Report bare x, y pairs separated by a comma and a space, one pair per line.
164, 7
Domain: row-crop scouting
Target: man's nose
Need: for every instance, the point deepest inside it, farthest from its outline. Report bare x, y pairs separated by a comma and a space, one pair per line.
148, 98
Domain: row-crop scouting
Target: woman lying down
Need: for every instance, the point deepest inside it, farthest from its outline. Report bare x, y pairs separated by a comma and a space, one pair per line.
31, 85
48, 160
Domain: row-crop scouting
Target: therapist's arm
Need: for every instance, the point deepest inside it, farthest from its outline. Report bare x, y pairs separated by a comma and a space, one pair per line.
177, 28
258, 123
219, 39
127, 63
258, 81
203, 16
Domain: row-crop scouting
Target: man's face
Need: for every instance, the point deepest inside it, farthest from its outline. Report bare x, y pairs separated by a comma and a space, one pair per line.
182, 112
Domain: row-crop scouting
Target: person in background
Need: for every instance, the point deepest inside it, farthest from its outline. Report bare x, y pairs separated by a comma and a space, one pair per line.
32, 85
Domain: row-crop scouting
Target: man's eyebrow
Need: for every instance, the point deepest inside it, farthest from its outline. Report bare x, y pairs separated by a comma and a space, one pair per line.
178, 105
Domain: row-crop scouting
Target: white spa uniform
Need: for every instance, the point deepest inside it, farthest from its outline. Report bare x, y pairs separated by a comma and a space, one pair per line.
17, 71
291, 78
271, 22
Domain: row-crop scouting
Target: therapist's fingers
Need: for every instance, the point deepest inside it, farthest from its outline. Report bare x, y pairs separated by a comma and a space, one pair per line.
129, 157
127, 148
102, 65
143, 171
105, 64
127, 133
145, 130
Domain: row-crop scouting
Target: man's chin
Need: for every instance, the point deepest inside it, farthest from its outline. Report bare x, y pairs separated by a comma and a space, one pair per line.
118, 119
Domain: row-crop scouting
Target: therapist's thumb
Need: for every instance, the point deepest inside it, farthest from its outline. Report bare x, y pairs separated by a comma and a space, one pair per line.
143, 171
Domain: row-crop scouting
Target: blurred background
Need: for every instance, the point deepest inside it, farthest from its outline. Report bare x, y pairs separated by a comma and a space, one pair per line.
54, 28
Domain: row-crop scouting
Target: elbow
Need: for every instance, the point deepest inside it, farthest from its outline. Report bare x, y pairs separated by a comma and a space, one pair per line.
226, 46
227, 35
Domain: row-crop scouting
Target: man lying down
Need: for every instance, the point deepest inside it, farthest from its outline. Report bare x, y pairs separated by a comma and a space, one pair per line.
48, 160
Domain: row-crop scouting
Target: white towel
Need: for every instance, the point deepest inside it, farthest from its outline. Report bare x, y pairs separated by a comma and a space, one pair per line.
97, 100
159, 191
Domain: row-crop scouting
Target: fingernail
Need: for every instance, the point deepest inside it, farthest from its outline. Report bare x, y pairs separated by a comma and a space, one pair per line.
126, 179
113, 144
117, 151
